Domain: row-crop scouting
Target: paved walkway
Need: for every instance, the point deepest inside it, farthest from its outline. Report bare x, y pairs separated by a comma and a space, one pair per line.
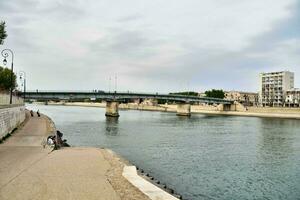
22, 150
29, 171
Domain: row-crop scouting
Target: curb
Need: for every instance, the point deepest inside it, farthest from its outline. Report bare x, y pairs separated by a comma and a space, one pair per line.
152, 191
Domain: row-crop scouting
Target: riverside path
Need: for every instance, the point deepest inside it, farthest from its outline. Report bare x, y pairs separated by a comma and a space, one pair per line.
29, 171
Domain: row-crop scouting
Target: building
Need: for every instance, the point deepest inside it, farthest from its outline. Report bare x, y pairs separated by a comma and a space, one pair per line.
245, 98
292, 98
273, 87
201, 94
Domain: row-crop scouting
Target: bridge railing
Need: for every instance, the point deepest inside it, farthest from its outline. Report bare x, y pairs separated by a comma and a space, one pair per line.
120, 95
111, 92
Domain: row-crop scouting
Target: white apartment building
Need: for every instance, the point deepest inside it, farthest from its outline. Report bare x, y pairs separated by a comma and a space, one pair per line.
273, 87
292, 98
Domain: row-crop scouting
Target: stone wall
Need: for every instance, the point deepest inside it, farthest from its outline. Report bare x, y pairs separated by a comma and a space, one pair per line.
5, 97
136, 106
273, 110
10, 118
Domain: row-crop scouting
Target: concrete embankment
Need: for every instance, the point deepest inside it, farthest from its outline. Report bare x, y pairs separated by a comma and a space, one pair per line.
287, 113
30, 171
10, 118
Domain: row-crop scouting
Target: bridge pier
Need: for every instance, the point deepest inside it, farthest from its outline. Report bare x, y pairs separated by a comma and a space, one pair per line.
184, 109
112, 109
227, 107
235, 106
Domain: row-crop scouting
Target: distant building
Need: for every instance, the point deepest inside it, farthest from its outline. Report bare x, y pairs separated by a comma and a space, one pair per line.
201, 94
274, 86
245, 98
149, 102
292, 98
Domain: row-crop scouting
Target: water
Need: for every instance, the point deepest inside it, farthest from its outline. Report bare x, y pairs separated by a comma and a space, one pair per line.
202, 157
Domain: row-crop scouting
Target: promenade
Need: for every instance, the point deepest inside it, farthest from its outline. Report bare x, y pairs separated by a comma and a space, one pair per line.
30, 171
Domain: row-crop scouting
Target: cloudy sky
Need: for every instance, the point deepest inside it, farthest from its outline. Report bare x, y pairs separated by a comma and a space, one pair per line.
152, 46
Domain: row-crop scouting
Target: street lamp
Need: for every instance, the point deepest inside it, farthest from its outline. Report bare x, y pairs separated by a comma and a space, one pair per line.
23, 75
5, 54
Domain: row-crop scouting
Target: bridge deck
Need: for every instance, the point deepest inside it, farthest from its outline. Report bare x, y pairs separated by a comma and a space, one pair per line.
52, 95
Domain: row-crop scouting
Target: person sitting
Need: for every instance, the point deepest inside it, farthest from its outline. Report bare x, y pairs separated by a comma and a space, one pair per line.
60, 141
38, 113
51, 140
31, 113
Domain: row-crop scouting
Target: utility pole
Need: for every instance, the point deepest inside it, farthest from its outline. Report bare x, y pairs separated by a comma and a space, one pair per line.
116, 82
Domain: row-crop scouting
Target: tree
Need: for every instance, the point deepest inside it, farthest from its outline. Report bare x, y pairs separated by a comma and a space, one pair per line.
3, 34
5, 83
215, 93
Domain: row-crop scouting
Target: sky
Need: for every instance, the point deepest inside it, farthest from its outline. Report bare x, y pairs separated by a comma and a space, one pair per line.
151, 46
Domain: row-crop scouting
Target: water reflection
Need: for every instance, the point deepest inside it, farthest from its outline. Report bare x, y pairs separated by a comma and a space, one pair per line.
111, 126
275, 141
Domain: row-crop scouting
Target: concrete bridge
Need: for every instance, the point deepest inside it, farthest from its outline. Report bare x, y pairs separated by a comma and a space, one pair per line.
113, 98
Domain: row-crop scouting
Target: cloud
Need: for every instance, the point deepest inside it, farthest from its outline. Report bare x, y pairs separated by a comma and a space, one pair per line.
130, 18
120, 42
9, 7
158, 45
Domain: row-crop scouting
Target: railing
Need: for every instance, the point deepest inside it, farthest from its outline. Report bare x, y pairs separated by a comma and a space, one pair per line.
64, 91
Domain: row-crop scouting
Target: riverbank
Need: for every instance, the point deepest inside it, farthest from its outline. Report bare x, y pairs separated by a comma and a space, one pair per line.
30, 171
285, 113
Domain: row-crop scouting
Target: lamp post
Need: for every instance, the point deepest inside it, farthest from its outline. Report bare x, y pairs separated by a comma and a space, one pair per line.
5, 54
109, 84
23, 75
116, 79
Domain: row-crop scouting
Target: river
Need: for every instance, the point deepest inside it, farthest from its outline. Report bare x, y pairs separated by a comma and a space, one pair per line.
202, 157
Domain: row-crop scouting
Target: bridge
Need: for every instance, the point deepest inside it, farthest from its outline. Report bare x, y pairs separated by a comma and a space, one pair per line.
113, 98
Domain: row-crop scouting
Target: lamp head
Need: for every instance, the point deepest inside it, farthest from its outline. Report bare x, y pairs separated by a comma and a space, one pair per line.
4, 61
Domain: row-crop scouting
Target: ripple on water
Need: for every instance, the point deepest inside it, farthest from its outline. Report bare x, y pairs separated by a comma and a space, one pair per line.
202, 157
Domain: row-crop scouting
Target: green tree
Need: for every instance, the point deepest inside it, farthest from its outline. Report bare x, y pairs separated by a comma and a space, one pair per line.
215, 93
3, 34
5, 83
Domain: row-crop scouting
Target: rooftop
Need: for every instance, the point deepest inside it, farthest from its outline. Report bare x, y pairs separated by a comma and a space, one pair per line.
270, 73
